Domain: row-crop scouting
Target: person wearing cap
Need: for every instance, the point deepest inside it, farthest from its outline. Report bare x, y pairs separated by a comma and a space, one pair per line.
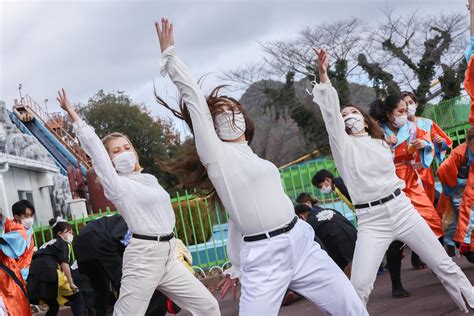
332, 228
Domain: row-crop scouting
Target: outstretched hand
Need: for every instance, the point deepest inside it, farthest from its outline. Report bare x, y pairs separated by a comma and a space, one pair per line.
322, 59
226, 284
63, 101
165, 33
66, 105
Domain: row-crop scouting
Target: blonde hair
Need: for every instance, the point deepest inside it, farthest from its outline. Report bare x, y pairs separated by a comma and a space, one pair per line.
106, 140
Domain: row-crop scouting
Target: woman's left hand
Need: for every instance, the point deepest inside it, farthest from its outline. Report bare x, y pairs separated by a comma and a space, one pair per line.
438, 139
74, 288
419, 143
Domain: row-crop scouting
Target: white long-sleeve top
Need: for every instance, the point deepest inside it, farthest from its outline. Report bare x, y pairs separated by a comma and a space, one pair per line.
248, 186
143, 203
364, 163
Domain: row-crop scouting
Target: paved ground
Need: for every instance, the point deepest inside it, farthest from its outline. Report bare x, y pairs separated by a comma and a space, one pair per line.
428, 296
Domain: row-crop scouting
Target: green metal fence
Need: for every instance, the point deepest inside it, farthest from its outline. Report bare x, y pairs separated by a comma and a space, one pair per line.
204, 231
449, 113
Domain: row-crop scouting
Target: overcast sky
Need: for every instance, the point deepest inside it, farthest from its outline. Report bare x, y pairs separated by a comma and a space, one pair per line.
85, 46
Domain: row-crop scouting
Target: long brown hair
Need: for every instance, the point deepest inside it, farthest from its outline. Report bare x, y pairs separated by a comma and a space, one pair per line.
373, 128
187, 166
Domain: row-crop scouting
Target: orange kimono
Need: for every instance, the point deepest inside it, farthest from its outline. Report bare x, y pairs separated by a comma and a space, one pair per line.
16, 252
469, 86
405, 163
426, 174
458, 197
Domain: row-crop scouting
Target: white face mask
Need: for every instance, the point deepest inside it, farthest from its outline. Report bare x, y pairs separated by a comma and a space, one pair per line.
69, 238
125, 162
326, 189
355, 122
400, 120
230, 125
27, 222
411, 109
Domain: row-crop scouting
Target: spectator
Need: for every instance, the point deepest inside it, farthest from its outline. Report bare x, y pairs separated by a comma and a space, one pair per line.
99, 249
49, 264
456, 174
334, 230
327, 183
16, 251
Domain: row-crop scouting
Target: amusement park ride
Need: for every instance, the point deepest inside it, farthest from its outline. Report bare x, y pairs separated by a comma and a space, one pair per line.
51, 131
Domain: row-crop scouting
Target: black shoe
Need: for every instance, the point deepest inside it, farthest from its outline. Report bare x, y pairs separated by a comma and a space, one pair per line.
469, 256
400, 293
416, 263
451, 251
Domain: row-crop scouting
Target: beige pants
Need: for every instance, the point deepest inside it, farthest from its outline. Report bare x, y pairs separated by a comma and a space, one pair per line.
150, 265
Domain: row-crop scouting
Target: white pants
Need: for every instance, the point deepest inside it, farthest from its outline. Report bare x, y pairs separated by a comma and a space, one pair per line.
398, 220
293, 260
150, 265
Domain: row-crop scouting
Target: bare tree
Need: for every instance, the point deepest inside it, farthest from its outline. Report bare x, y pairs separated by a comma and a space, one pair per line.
414, 50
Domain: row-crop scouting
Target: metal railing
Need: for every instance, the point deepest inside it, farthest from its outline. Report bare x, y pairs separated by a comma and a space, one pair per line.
204, 230
449, 113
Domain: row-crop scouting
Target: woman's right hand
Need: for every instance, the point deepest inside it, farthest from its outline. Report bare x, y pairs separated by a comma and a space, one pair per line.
322, 59
63, 101
165, 34
391, 139
66, 105
226, 284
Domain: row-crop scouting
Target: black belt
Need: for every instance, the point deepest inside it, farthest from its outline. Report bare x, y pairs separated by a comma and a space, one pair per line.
273, 233
381, 201
155, 238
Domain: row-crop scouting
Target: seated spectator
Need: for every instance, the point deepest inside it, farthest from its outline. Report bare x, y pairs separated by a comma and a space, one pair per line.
99, 250
327, 183
334, 230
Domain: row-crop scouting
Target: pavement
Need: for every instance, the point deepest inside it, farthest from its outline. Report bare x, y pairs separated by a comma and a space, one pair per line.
428, 296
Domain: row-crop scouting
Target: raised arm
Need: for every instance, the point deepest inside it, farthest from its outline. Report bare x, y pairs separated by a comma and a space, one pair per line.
470, 46
326, 97
207, 141
92, 145
470, 7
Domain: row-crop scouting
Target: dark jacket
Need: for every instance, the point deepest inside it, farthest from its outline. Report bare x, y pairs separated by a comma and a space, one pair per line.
339, 183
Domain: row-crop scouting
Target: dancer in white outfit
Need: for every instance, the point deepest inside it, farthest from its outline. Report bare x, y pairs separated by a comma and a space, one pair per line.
149, 261
270, 249
384, 213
